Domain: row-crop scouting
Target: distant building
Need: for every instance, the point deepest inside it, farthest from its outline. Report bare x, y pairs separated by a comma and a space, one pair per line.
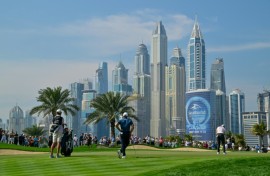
249, 120
74, 122
16, 120
120, 80
88, 96
158, 62
101, 87
263, 100
196, 60
201, 114
218, 76
29, 120
175, 83
217, 82
236, 108
142, 92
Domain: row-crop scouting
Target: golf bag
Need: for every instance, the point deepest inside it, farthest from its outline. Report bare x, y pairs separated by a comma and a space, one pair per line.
67, 143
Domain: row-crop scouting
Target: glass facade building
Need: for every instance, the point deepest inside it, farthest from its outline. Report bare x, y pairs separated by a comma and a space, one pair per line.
200, 114
142, 91
158, 63
236, 108
218, 76
196, 60
250, 119
175, 82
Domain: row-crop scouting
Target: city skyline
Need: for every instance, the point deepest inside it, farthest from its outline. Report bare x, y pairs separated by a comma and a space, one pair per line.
48, 46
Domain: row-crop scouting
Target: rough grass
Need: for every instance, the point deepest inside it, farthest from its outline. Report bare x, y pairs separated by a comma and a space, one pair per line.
138, 162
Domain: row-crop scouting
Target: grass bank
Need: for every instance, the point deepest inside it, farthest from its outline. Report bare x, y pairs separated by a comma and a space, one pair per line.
138, 162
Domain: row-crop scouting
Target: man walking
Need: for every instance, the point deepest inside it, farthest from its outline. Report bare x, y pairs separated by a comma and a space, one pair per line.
220, 132
58, 128
126, 127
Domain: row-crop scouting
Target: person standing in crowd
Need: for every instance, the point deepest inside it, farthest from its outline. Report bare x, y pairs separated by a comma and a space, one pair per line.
126, 127
75, 141
220, 132
58, 125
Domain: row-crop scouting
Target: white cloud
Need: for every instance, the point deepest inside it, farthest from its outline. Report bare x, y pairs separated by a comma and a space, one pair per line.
249, 46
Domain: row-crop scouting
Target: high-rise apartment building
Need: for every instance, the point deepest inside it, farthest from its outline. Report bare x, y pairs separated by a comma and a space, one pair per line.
101, 87
120, 79
142, 91
101, 78
158, 63
218, 76
249, 120
74, 122
200, 114
217, 83
196, 60
87, 97
16, 120
236, 108
175, 94
263, 100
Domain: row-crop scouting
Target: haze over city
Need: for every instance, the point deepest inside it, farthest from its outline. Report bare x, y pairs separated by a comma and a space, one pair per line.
55, 43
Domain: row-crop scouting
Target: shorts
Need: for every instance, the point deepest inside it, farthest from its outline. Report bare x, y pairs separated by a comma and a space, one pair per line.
57, 136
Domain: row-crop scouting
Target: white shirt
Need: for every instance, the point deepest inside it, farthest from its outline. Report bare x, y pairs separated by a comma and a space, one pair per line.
220, 130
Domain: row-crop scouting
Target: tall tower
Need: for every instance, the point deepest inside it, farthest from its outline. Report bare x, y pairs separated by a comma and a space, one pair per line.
101, 78
142, 91
158, 63
218, 84
101, 87
236, 107
196, 60
74, 122
218, 76
120, 79
263, 100
175, 77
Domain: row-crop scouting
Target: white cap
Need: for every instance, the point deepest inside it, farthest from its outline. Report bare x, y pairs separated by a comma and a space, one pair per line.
125, 114
58, 111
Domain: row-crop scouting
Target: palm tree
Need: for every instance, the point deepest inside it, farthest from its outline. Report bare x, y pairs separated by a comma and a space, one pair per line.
53, 99
240, 140
260, 130
109, 106
34, 131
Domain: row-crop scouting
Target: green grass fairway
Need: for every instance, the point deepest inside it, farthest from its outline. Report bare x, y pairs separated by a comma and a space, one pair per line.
139, 162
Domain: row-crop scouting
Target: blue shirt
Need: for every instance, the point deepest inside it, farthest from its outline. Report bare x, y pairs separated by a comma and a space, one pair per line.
125, 124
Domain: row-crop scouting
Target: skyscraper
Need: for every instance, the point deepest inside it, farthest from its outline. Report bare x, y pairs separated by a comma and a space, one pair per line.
217, 83
101, 78
263, 100
120, 79
74, 122
196, 60
16, 120
236, 107
175, 93
142, 91
87, 97
218, 76
158, 63
101, 87
249, 120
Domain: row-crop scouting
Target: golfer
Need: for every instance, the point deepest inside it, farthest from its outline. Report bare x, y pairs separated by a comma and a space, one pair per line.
220, 132
126, 127
58, 122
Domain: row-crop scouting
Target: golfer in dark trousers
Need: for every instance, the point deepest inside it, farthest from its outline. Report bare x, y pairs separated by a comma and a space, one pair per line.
220, 132
125, 126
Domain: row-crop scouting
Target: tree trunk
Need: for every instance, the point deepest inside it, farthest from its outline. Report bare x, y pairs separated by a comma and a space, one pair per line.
112, 129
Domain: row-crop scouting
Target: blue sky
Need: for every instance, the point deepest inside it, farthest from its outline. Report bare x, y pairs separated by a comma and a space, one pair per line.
54, 43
